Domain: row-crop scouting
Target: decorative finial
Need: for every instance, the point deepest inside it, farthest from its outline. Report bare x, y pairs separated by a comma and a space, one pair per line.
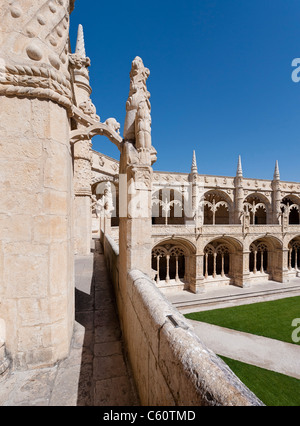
276, 173
194, 164
239, 172
80, 46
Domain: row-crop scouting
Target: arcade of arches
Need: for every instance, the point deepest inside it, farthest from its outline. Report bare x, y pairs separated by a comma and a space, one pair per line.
225, 261
169, 206
252, 247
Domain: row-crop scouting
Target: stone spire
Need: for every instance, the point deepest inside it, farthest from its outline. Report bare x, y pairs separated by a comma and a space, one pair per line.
194, 164
80, 64
276, 173
80, 45
239, 172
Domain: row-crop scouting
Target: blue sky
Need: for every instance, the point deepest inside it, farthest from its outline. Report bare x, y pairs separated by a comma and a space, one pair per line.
220, 79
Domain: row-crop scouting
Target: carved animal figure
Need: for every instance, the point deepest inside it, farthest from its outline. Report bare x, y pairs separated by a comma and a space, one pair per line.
113, 124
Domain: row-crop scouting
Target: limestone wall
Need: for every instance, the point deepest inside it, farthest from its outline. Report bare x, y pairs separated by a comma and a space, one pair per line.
36, 222
171, 366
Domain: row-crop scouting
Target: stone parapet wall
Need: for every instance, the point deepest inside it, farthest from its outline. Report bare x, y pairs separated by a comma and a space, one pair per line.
171, 365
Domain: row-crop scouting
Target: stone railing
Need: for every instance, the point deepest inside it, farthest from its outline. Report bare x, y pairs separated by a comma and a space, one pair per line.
170, 364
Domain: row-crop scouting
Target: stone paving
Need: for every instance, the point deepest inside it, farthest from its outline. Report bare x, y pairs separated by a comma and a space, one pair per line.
96, 372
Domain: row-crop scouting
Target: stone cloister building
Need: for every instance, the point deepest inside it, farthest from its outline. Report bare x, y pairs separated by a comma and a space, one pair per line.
160, 231
210, 231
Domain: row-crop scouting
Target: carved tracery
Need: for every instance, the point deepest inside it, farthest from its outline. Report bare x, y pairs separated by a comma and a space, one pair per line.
169, 263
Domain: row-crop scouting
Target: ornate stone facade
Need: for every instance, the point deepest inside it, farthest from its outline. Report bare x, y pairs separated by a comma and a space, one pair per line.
199, 212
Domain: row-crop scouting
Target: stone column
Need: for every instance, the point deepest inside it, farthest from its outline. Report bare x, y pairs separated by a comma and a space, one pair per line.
137, 157
198, 286
82, 202
136, 226
246, 272
285, 265
82, 151
36, 184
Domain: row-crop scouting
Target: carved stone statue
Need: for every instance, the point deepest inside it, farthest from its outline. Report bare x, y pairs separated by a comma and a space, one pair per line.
137, 146
97, 206
113, 124
245, 217
143, 126
138, 93
108, 200
89, 109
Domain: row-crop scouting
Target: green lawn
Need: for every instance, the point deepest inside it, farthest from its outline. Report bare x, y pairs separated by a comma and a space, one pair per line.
269, 319
273, 389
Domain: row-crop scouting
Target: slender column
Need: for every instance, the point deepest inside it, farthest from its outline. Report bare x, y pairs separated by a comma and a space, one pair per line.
206, 265
290, 258
215, 265
222, 272
262, 262
168, 269
157, 278
177, 275
296, 259
255, 262
253, 214
167, 209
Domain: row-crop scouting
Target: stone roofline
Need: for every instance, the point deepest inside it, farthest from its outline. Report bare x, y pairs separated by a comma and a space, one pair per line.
209, 177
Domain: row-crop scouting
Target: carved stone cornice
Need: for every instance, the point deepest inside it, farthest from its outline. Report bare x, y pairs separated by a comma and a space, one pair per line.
35, 50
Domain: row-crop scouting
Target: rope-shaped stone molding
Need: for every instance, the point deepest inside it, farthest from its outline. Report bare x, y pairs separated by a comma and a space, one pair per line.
35, 82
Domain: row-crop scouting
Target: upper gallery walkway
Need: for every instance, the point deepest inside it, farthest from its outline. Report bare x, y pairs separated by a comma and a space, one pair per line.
96, 372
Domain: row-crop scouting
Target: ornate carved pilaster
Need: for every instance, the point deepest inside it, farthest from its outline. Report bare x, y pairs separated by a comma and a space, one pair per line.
276, 196
35, 50
82, 168
137, 128
239, 193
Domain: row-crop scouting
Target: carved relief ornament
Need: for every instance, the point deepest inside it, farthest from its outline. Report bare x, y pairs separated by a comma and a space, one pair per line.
34, 53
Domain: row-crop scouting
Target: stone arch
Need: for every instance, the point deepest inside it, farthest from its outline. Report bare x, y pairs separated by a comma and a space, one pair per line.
99, 189
294, 256
172, 261
168, 206
273, 241
291, 205
217, 207
266, 259
222, 261
259, 207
